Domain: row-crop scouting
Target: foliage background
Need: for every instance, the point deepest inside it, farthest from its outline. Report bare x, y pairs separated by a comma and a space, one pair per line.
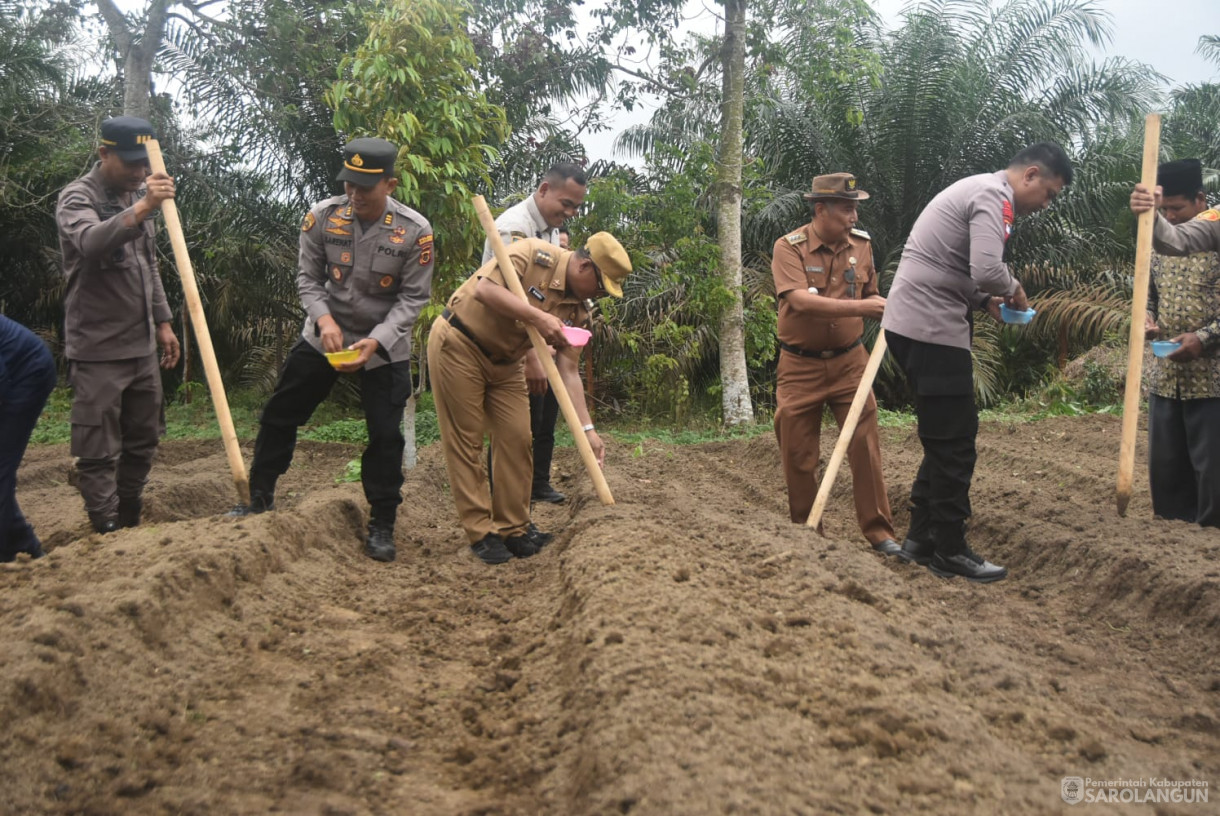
254, 99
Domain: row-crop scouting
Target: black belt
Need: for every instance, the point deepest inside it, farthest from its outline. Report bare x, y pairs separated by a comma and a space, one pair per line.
820, 355
457, 323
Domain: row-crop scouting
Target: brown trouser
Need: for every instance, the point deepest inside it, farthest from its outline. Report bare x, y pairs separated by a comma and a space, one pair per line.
117, 419
804, 387
474, 395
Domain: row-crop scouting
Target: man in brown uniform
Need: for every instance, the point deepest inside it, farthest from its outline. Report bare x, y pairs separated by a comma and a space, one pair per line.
476, 352
115, 317
826, 286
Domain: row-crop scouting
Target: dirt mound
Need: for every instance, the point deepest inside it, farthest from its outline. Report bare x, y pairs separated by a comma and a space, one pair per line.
685, 651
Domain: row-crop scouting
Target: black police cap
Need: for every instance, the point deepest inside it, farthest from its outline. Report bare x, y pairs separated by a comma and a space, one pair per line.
368, 161
126, 136
1183, 177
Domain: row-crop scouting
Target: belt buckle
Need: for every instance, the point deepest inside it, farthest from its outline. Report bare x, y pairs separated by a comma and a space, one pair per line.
826, 355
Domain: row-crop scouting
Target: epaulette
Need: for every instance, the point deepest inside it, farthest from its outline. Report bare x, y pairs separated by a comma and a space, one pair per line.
515, 236
543, 258
859, 233
1209, 215
797, 238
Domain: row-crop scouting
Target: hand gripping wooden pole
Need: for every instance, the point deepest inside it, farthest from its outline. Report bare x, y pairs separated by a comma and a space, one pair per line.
544, 354
847, 431
1139, 307
204, 339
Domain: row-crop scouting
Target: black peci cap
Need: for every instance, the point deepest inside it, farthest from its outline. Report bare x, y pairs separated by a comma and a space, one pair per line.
1183, 177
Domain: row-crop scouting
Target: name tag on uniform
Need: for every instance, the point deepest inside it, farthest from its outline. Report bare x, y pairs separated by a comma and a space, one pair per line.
536, 294
813, 269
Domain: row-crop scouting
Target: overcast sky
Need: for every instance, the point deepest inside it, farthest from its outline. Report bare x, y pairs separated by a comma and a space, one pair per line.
1162, 34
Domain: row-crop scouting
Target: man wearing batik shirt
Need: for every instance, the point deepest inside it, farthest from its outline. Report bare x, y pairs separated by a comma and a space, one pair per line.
1184, 388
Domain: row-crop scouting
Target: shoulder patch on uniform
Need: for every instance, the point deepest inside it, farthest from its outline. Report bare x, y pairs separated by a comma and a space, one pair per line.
424, 240
308, 223
1209, 215
543, 258
859, 233
796, 238
515, 236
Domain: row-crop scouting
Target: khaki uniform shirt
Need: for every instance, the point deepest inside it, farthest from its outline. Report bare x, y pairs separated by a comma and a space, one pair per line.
542, 269
114, 297
373, 281
521, 221
1185, 297
953, 262
800, 260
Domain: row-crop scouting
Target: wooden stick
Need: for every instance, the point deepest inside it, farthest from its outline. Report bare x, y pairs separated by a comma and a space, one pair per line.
847, 431
1139, 307
544, 354
202, 337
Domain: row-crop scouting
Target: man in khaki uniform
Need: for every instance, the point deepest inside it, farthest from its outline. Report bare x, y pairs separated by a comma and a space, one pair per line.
476, 352
826, 286
365, 272
115, 318
542, 215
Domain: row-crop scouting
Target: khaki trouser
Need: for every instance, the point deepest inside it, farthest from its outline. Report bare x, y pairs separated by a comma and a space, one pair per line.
804, 387
117, 419
474, 395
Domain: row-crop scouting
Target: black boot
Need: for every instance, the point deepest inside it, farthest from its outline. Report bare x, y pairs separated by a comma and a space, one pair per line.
262, 497
129, 511
103, 524
379, 545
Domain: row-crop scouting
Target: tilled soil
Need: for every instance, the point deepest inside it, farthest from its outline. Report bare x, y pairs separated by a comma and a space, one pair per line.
685, 651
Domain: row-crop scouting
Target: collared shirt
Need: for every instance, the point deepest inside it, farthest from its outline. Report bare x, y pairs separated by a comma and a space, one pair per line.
114, 297
543, 269
373, 281
953, 262
1185, 297
844, 271
521, 221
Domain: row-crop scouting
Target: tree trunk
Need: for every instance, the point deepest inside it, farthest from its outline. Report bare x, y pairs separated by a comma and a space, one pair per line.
136, 52
734, 379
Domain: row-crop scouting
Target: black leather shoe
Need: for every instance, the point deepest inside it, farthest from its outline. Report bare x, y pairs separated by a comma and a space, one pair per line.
968, 565
259, 503
379, 546
887, 547
537, 537
546, 493
490, 549
129, 511
104, 525
916, 552
520, 546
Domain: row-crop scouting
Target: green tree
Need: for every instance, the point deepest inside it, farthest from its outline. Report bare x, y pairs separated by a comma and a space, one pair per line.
411, 82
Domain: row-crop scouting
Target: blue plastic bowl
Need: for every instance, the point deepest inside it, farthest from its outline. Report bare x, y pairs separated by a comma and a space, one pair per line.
1163, 348
1016, 315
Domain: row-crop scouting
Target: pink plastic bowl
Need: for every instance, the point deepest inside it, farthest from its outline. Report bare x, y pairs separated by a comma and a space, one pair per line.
576, 335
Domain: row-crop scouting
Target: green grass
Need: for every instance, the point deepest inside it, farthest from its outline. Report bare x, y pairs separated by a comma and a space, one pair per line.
336, 421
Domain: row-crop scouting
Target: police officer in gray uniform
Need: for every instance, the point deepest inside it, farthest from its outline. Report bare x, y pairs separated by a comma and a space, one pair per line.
115, 318
365, 272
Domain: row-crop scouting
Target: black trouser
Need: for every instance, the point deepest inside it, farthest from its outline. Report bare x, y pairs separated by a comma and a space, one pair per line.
27, 377
1184, 459
544, 409
304, 382
942, 378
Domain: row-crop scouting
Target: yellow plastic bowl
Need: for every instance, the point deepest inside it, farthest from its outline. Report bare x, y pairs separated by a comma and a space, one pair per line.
338, 358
